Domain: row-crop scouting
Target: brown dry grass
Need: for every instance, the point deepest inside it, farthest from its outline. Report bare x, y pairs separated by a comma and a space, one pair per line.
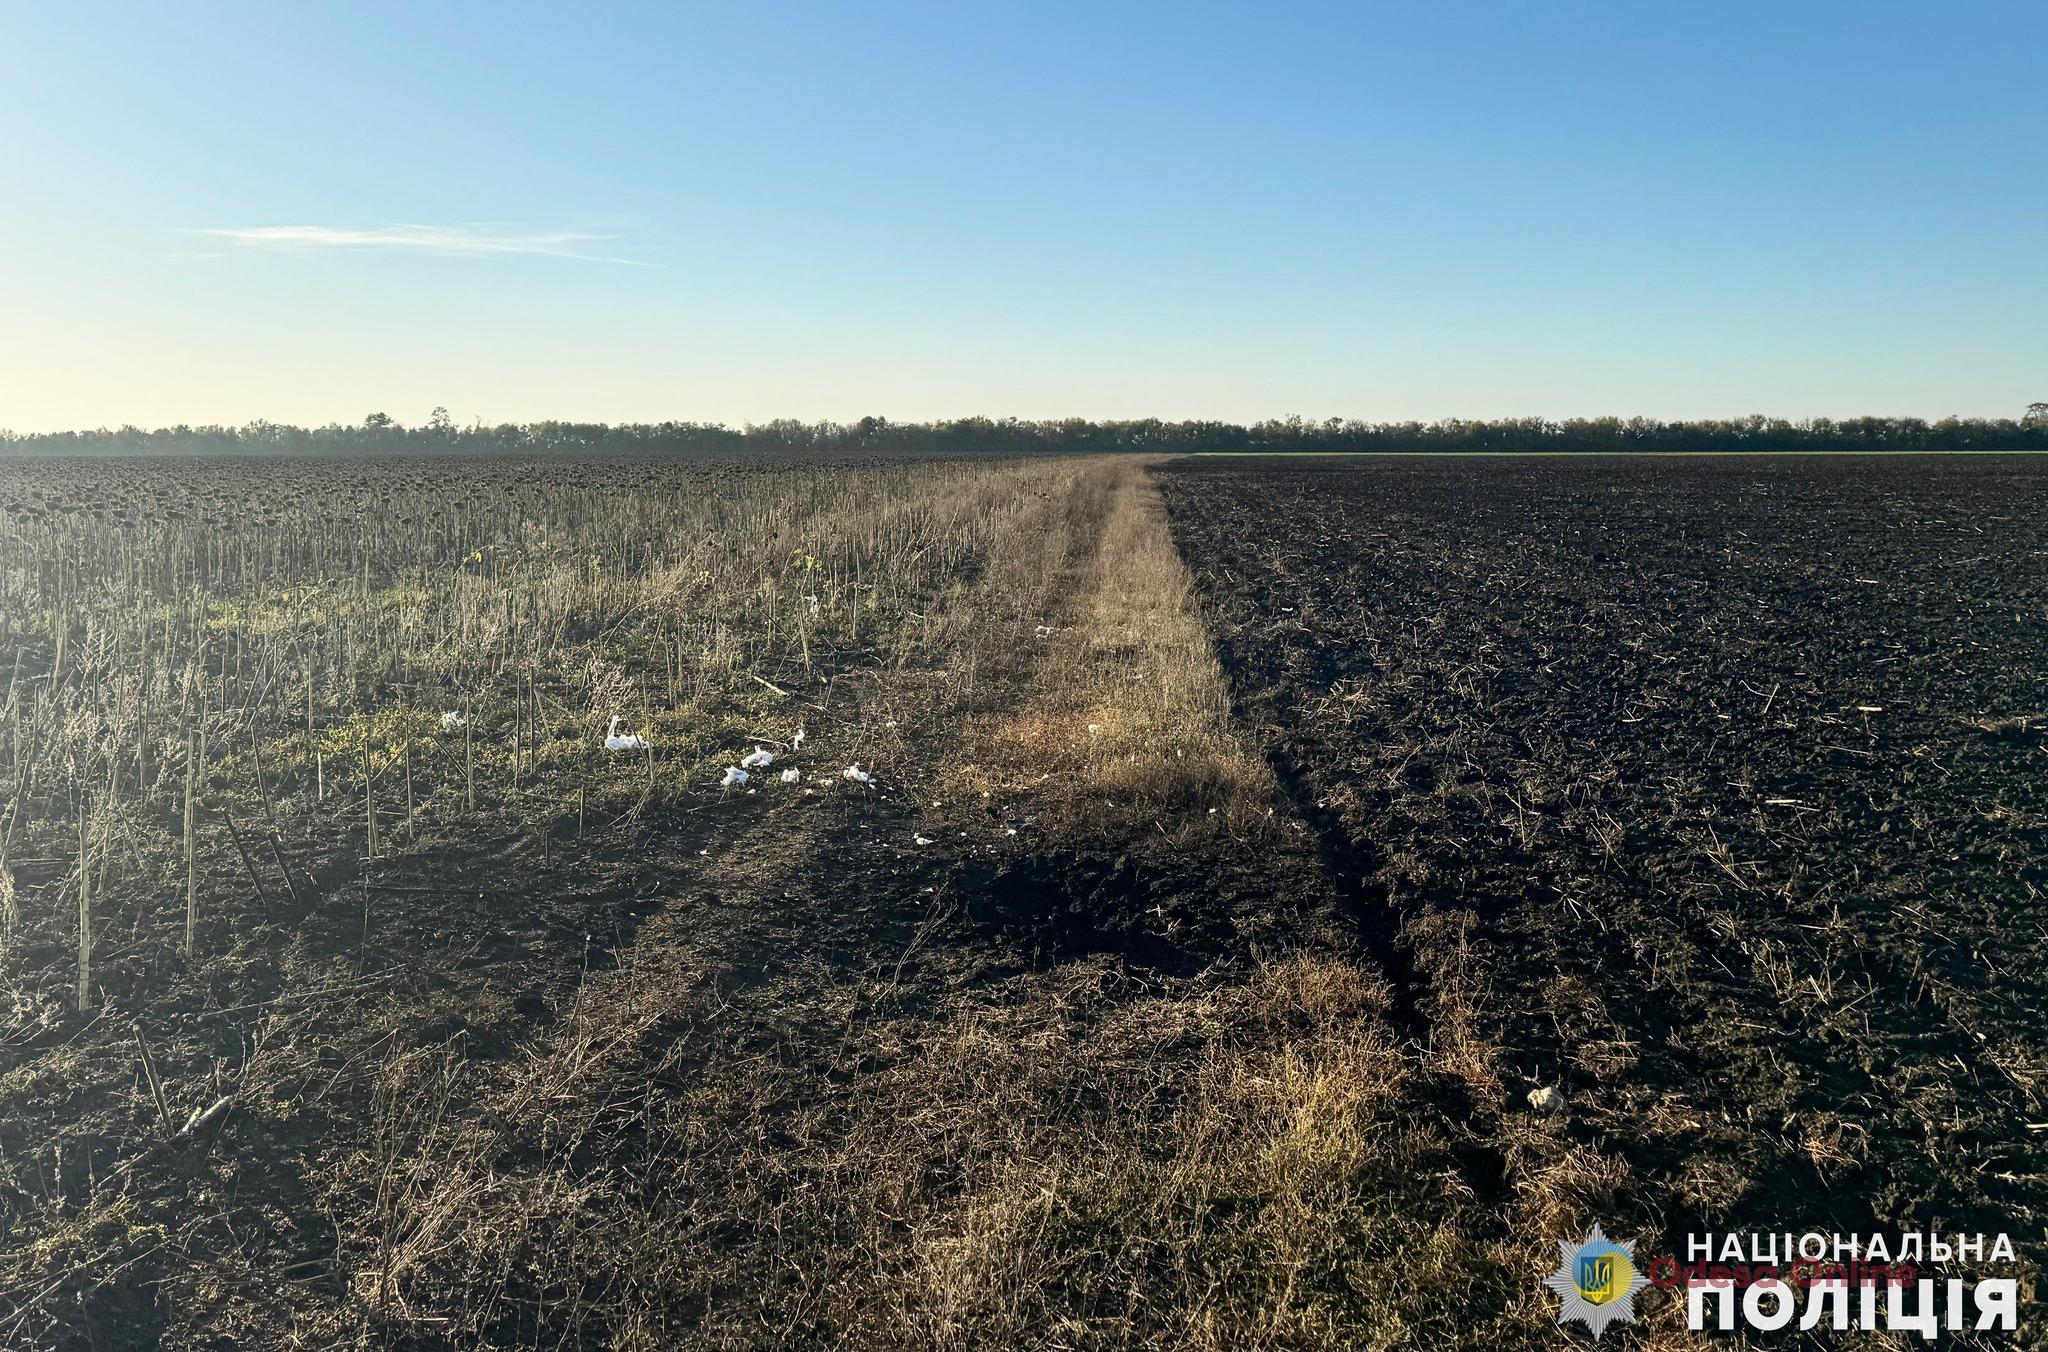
1126, 728
1235, 1164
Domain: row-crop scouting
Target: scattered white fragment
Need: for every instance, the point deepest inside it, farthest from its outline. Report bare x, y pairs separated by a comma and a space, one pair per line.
796, 743
1870, 708
758, 758
857, 775
452, 721
1043, 630
733, 775
1548, 1099
812, 602
922, 840
614, 740
792, 775
1095, 727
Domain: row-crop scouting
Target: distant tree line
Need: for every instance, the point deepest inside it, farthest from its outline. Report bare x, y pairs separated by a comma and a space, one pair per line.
381, 434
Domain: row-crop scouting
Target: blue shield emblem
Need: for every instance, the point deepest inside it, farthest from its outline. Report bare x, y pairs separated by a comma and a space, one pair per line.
1595, 1277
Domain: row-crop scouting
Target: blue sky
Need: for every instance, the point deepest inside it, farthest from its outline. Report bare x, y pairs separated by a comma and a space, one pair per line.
306, 212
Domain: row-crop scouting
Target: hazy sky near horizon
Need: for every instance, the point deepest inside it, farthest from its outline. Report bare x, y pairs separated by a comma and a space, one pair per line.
306, 212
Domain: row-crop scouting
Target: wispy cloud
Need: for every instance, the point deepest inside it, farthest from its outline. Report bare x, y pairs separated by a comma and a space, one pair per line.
448, 240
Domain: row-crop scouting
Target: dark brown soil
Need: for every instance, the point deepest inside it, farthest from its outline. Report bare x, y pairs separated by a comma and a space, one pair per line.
1666, 779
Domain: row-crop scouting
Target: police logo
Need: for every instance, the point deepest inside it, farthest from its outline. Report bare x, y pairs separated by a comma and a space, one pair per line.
1597, 1281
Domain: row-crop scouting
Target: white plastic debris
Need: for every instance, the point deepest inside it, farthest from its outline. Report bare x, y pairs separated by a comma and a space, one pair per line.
792, 775
857, 775
796, 743
1548, 1099
733, 775
452, 721
1095, 727
614, 740
922, 840
758, 758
